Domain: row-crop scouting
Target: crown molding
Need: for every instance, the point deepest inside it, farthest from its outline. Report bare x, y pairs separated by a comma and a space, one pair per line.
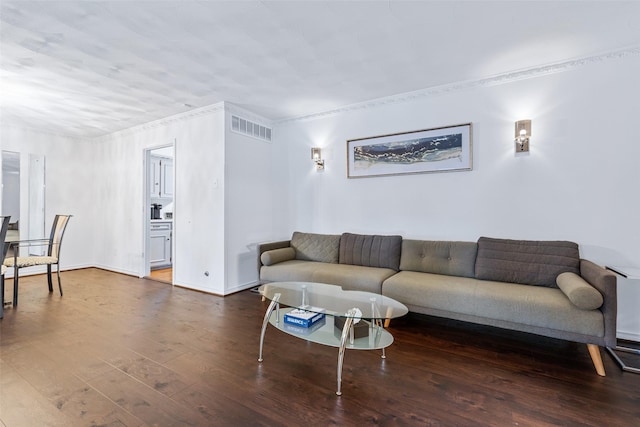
498, 79
202, 111
25, 127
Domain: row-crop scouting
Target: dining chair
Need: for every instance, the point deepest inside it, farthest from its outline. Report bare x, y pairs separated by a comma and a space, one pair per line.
53, 255
3, 269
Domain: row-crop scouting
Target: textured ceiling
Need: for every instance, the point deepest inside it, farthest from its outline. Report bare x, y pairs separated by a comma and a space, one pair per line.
89, 68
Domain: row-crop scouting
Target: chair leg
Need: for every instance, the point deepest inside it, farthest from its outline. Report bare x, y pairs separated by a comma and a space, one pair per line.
49, 278
15, 286
59, 283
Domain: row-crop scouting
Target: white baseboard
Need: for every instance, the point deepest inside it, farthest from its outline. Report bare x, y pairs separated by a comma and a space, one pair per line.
629, 336
242, 287
117, 270
196, 287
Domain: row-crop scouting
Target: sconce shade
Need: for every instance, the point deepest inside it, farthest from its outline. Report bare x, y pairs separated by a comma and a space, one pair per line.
523, 128
316, 156
523, 133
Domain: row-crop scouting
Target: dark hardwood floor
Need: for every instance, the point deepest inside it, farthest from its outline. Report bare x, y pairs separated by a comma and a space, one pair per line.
122, 351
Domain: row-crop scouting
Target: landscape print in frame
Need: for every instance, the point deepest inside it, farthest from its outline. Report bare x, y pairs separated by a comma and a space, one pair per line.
442, 149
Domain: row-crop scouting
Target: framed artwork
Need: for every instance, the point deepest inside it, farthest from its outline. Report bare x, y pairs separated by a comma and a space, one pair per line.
442, 149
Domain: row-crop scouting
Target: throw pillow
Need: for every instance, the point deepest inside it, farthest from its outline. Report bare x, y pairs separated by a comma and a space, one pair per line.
579, 291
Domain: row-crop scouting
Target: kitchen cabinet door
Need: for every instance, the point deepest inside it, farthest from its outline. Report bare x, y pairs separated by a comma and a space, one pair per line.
160, 245
166, 178
154, 176
161, 177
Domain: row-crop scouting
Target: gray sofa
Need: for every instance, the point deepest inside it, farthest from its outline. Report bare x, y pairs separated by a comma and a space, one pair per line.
539, 287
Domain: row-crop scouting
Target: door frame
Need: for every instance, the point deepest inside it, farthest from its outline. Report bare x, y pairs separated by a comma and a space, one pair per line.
146, 209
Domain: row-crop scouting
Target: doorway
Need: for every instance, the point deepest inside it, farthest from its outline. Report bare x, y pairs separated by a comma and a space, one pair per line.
159, 217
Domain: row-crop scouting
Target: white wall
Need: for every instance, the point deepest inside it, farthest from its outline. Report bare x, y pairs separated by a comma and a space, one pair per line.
70, 189
579, 181
220, 214
248, 200
198, 204
222, 189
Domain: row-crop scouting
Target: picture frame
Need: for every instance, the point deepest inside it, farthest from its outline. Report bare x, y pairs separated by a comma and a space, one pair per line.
441, 149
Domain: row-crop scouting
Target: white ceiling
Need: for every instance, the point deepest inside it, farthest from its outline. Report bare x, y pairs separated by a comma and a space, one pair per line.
89, 68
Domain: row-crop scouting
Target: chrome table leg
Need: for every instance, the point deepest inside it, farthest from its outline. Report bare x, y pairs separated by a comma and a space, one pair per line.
265, 322
624, 366
346, 331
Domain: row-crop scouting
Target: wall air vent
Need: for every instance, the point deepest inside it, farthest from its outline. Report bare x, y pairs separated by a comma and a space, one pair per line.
249, 128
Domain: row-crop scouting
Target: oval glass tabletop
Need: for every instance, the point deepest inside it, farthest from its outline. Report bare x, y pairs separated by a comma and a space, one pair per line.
333, 300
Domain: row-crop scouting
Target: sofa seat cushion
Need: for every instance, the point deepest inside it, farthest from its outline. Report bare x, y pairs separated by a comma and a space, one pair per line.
528, 262
534, 306
350, 277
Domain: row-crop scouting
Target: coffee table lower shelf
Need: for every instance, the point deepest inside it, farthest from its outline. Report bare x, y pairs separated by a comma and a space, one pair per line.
328, 334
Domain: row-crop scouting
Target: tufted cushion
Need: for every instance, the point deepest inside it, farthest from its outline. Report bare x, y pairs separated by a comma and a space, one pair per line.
316, 247
275, 256
370, 250
439, 257
526, 262
29, 261
580, 293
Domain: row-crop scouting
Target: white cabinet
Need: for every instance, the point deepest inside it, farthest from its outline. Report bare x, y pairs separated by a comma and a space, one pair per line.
154, 177
161, 177
160, 244
166, 177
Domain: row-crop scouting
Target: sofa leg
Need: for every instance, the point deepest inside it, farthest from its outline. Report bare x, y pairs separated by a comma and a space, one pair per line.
594, 352
387, 322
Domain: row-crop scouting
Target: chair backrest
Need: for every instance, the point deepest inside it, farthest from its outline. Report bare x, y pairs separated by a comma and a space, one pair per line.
57, 231
3, 235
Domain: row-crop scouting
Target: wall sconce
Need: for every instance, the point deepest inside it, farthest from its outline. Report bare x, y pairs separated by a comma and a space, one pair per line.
316, 156
523, 133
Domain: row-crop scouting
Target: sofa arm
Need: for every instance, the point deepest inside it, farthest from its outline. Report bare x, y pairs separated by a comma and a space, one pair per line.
264, 247
605, 282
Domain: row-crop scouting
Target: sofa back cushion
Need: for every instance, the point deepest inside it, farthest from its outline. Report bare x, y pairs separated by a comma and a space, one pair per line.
316, 247
528, 262
439, 257
370, 250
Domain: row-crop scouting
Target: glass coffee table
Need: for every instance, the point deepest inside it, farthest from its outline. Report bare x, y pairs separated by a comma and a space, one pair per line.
343, 312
